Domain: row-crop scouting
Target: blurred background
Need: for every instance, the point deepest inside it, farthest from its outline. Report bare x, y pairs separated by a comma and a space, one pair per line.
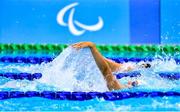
123, 21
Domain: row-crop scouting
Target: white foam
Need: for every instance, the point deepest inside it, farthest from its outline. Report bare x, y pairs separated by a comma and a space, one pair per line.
74, 70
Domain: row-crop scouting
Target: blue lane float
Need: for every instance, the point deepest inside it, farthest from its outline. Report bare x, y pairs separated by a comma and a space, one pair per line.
29, 76
21, 76
136, 60
31, 60
39, 60
82, 96
167, 75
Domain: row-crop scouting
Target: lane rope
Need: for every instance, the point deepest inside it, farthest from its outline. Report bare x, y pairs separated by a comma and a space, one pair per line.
45, 59
108, 48
82, 96
29, 76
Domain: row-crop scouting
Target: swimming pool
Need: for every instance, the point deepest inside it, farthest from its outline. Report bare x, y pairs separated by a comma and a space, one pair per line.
155, 92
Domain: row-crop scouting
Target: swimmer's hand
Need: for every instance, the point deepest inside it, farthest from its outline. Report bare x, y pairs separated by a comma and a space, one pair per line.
132, 84
83, 45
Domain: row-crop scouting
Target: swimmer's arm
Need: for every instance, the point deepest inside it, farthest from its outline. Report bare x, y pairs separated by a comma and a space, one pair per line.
103, 65
100, 60
113, 65
117, 66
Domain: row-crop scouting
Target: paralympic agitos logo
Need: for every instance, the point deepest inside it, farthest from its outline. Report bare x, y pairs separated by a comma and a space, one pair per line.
71, 24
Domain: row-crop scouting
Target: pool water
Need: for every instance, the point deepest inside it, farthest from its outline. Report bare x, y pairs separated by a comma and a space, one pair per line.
77, 71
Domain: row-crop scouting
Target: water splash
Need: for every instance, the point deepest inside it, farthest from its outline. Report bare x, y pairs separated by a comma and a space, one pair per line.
72, 70
150, 79
76, 70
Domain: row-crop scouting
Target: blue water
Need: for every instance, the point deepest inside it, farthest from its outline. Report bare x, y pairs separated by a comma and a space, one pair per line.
57, 78
38, 104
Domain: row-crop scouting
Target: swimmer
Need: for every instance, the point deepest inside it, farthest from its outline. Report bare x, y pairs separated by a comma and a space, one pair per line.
107, 67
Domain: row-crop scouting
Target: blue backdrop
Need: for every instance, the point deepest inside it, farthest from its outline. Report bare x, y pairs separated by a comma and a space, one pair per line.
170, 21
145, 21
34, 21
123, 21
